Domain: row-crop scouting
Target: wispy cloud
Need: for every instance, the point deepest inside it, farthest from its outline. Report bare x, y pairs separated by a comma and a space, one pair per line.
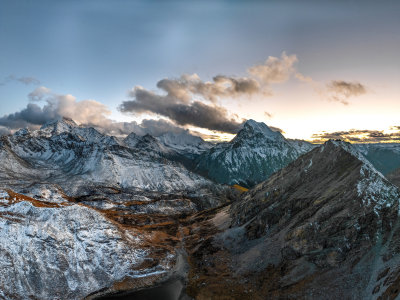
39, 93
24, 80
274, 69
341, 91
268, 115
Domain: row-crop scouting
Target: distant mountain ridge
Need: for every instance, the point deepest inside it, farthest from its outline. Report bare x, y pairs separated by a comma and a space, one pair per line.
65, 153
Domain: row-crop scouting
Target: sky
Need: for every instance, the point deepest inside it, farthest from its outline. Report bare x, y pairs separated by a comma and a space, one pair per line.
313, 69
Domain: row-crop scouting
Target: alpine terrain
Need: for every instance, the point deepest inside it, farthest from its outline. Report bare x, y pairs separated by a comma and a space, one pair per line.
84, 215
251, 157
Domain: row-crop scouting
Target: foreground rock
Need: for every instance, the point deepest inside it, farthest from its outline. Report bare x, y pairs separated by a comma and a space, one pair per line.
64, 250
326, 226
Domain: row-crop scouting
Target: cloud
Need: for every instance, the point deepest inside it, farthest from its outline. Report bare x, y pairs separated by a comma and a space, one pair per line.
358, 136
188, 86
267, 114
180, 111
303, 78
188, 100
31, 116
23, 80
341, 90
85, 112
275, 70
56, 106
276, 129
4, 131
39, 93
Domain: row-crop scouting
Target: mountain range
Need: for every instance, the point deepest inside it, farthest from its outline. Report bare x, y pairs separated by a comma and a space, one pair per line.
84, 215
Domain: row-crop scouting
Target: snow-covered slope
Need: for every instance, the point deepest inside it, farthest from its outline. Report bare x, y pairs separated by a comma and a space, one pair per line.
251, 157
73, 156
184, 143
63, 250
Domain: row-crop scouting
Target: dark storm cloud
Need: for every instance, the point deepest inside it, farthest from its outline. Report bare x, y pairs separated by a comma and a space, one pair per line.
23, 80
195, 113
358, 136
341, 90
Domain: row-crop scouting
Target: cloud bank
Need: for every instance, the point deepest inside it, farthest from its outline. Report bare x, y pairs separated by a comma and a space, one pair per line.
188, 100
85, 112
181, 111
359, 136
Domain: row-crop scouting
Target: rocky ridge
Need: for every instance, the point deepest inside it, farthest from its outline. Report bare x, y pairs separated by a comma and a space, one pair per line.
326, 226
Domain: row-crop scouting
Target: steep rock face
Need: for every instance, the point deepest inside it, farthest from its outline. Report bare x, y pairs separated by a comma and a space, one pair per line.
73, 156
327, 225
63, 250
251, 157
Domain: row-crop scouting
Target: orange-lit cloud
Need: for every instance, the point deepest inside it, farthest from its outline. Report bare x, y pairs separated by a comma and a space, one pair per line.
360, 136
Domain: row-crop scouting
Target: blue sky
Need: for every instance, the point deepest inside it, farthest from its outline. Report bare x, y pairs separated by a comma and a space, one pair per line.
100, 49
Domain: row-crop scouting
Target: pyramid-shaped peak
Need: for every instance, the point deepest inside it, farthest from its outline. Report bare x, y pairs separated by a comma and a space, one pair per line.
259, 126
253, 128
348, 147
59, 125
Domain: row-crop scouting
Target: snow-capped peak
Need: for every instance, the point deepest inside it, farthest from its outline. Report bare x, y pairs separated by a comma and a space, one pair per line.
131, 140
60, 125
252, 128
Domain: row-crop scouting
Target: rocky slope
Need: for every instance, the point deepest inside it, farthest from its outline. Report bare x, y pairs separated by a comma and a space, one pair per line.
84, 214
251, 157
326, 226
53, 248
